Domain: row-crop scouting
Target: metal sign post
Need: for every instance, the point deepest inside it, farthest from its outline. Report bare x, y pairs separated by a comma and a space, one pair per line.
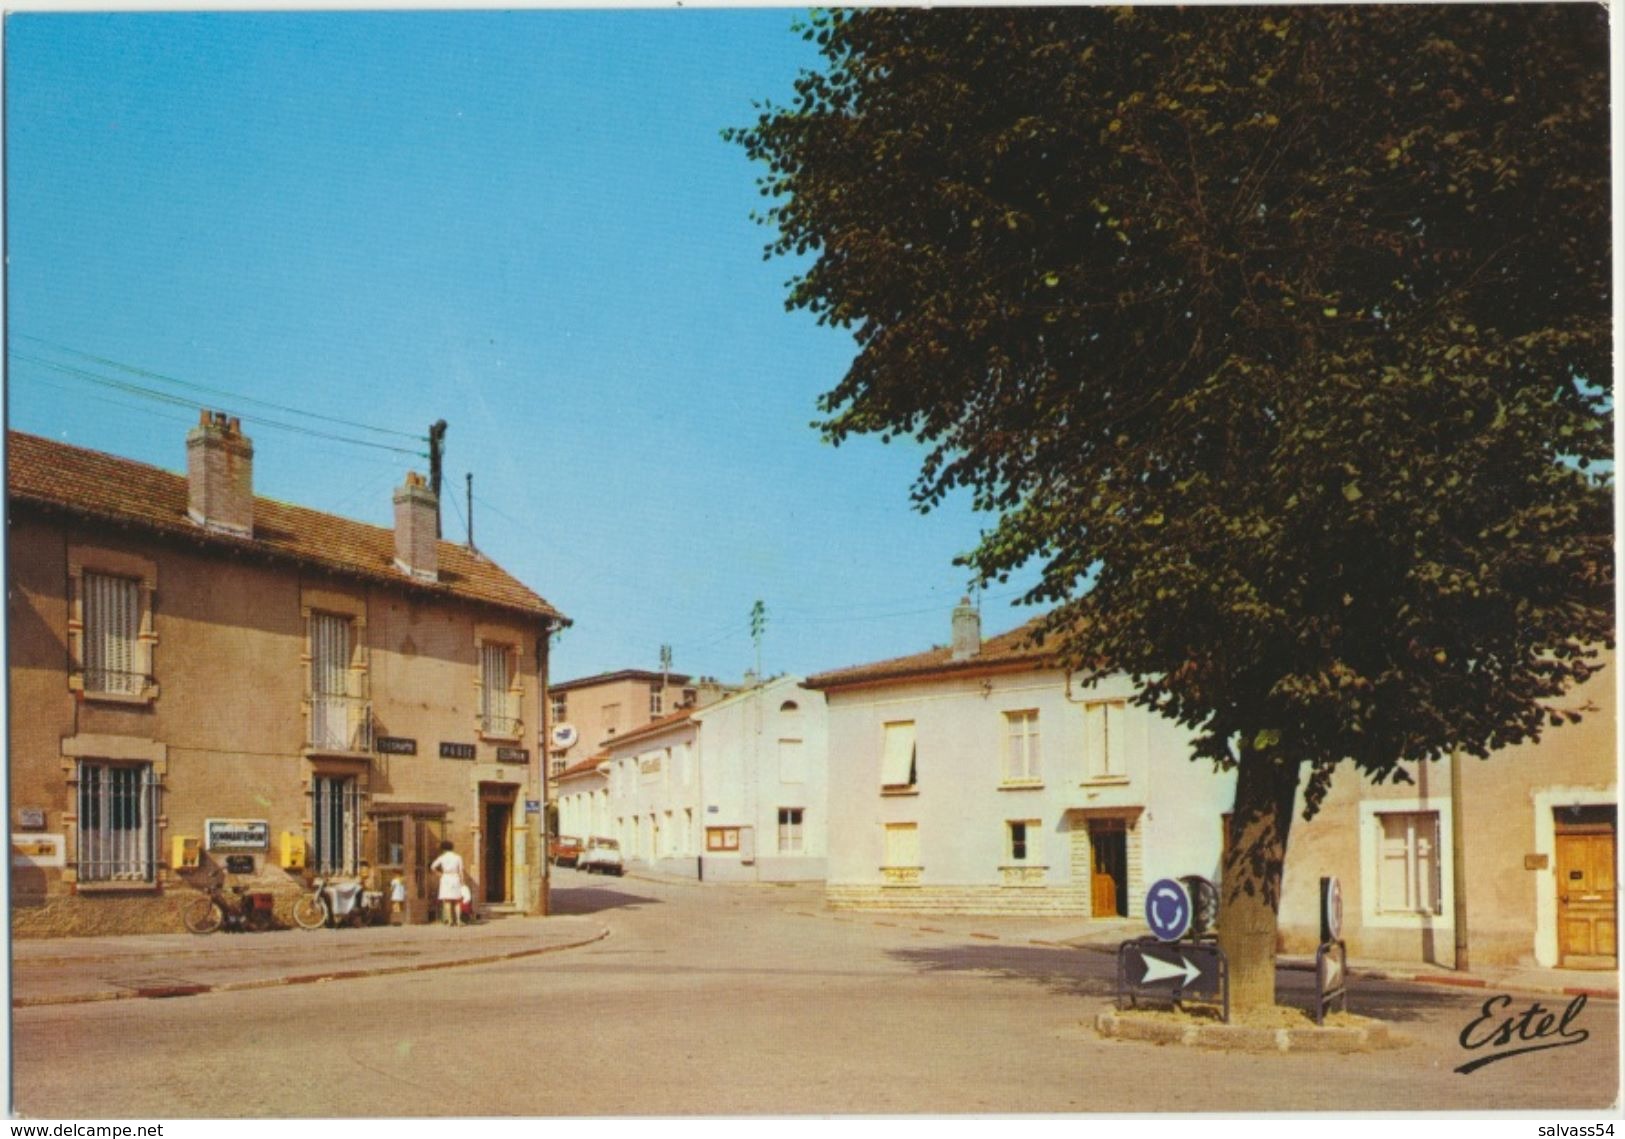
1181, 962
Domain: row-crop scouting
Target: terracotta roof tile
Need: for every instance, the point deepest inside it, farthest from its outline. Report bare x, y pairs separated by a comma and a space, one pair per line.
95, 485
1014, 647
583, 767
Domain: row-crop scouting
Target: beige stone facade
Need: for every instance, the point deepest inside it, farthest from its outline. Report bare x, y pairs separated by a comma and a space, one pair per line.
348, 714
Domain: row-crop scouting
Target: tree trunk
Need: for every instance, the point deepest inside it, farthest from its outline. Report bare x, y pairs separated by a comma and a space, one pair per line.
1266, 785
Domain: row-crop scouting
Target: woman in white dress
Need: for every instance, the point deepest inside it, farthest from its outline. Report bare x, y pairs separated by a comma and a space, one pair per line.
450, 865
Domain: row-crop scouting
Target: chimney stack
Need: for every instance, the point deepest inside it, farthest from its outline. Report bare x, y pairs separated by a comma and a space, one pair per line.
967, 629
416, 512
220, 475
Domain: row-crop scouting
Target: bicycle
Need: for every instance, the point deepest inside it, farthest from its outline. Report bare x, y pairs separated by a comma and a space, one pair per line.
248, 910
310, 910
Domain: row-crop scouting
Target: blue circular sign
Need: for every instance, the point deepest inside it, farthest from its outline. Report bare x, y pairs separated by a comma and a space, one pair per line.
1168, 909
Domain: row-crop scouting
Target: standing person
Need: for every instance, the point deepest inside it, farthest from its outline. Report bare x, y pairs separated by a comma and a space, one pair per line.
450, 865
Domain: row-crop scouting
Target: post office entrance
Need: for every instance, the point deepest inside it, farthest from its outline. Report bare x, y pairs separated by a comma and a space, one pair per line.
496, 842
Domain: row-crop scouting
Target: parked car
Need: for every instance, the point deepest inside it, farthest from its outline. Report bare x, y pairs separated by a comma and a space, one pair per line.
563, 850
602, 856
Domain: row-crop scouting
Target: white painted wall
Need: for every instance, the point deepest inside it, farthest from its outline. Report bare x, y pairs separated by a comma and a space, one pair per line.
963, 802
743, 743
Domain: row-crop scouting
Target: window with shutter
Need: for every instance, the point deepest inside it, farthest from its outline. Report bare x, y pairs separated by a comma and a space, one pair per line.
112, 627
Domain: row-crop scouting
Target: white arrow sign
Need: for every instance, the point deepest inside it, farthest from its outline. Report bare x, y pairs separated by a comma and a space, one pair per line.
1156, 969
1332, 968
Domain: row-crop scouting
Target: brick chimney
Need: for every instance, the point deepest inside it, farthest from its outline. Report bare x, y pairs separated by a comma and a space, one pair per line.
967, 639
416, 550
220, 475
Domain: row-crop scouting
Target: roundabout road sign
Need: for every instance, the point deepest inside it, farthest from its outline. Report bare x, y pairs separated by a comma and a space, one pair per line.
1168, 909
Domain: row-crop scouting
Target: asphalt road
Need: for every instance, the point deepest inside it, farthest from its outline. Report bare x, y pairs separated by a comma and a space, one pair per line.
749, 1001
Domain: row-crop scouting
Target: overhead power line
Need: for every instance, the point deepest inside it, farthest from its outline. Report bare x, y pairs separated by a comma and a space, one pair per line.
146, 373
182, 401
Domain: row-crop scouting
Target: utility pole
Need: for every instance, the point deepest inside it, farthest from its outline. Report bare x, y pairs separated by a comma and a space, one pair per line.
470, 477
665, 667
758, 625
437, 455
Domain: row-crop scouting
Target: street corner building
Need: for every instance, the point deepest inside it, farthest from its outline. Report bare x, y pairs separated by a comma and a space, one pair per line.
206, 682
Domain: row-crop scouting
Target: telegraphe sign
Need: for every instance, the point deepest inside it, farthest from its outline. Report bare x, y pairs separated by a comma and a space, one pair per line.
456, 751
397, 745
513, 755
236, 834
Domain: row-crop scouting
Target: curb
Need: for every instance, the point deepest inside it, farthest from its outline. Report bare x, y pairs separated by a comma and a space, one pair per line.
161, 992
1244, 1038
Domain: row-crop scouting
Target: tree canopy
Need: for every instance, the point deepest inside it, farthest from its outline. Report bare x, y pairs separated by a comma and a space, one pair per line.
1288, 328
1277, 337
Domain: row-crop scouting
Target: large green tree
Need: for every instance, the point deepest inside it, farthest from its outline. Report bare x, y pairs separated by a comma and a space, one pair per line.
1277, 337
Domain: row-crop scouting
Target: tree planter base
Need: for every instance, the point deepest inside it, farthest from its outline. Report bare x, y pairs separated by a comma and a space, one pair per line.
1347, 1034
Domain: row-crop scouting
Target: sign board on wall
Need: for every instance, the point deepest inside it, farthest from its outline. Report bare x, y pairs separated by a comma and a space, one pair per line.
396, 745
236, 834
46, 851
31, 818
513, 755
456, 751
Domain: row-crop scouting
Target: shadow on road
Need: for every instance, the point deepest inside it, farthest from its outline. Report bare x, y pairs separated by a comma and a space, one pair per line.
595, 899
1063, 971
1069, 972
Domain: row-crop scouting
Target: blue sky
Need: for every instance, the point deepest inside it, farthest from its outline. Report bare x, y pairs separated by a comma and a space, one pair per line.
523, 222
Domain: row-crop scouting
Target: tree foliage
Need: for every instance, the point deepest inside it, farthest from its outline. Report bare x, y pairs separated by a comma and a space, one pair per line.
1278, 337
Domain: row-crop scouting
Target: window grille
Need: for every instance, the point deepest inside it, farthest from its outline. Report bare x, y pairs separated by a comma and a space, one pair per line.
496, 701
336, 815
112, 626
117, 839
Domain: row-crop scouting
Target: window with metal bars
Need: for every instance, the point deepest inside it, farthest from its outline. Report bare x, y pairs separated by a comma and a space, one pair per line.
336, 824
340, 717
117, 806
112, 620
497, 712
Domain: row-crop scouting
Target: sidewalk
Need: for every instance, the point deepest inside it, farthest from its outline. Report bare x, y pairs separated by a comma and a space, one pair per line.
72, 970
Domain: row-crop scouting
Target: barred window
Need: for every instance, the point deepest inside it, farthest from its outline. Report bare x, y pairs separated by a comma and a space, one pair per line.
497, 717
112, 631
117, 838
336, 817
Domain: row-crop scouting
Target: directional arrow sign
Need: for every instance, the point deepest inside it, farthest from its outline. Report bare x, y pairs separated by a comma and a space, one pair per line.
1151, 967
1331, 972
1156, 969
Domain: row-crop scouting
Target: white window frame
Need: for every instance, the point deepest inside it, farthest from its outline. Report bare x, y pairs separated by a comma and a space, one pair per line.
1372, 850
1029, 849
109, 793
1106, 741
657, 701
560, 704
792, 833
1023, 749
899, 757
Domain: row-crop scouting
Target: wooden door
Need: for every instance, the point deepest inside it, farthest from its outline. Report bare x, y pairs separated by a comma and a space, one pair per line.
496, 877
1586, 917
1108, 879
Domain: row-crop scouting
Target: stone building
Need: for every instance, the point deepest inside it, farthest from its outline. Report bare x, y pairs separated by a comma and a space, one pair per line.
203, 681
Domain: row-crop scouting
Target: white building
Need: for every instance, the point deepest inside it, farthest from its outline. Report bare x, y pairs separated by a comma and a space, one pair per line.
583, 799
732, 792
763, 775
981, 778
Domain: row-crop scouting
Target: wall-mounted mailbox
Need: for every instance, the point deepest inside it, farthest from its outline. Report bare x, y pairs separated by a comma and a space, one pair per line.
184, 852
293, 851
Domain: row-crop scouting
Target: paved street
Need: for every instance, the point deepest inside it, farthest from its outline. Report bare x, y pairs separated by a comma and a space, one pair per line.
747, 1000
